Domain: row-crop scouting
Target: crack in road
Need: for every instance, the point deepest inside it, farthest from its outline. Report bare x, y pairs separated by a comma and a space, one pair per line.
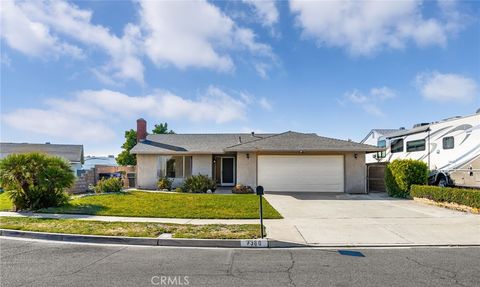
440, 272
289, 270
73, 272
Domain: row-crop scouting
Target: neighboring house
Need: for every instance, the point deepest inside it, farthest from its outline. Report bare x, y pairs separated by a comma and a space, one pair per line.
71, 153
375, 137
284, 162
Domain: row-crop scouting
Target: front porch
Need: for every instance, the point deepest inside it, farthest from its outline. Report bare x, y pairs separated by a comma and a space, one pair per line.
224, 169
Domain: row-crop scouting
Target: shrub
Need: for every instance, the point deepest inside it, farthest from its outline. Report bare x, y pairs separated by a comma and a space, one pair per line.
112, 184
242, 189
164, 183
179, 190
199, 184
464, 196
35, 180
401, 174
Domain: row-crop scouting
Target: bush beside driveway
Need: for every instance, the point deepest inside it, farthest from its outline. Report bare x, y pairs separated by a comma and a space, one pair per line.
468, 198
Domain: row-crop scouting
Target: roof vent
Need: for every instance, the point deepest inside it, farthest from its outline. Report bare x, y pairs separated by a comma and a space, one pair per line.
402, 128
47, 143
253, 134
478, 111
239, 139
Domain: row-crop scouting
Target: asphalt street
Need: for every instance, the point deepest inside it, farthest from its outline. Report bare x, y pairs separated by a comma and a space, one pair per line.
42, 263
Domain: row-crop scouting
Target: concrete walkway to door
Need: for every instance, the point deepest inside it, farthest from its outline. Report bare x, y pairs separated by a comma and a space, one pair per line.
376, 219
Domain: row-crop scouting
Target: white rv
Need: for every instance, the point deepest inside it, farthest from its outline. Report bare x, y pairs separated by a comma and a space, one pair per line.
450, 147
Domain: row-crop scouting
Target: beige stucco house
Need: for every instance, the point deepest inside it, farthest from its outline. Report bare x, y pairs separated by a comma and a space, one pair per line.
283, 162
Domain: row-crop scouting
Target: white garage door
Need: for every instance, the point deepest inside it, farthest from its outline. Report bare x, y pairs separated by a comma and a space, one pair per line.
315, 173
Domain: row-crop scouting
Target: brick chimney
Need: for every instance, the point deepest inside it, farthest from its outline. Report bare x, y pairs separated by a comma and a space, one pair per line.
141, 130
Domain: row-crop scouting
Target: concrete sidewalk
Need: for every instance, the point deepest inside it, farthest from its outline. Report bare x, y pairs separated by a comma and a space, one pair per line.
130, 219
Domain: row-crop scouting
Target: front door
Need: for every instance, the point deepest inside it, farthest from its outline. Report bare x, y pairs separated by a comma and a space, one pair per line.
228, 171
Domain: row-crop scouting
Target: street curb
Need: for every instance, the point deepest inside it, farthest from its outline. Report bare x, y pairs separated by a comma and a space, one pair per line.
222, 243
219, 243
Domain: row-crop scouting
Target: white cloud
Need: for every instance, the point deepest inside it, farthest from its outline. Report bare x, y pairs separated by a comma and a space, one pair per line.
179, 33
365, 27
369, 102
194, 34
35, 28
89, 114
31, 37
265, 104
440, 87
57, 123
5, 60
266, 11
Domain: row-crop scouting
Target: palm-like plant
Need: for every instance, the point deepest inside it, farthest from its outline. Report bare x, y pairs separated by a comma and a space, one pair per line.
35, 180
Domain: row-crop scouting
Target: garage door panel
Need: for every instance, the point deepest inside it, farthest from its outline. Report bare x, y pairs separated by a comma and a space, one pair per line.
301, 173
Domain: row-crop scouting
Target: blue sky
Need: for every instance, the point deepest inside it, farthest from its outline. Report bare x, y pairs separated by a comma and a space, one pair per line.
83, 72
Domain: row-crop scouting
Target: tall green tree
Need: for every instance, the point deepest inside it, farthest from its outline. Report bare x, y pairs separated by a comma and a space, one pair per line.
124, 157
162, 129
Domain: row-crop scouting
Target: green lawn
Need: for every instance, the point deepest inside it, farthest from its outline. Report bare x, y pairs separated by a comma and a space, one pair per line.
171, 205
132, 229
5, 202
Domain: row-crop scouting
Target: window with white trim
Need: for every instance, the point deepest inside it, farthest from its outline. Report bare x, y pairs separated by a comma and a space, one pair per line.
177, 166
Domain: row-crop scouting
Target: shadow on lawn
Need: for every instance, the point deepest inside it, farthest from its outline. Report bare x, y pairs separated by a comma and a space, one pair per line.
90, 209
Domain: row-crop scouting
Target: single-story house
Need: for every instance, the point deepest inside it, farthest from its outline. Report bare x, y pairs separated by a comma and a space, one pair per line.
72, 153
283, 162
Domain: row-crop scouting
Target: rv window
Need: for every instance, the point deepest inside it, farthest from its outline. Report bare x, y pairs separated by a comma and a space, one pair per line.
381, 143
448, 143
417, 145
396, 146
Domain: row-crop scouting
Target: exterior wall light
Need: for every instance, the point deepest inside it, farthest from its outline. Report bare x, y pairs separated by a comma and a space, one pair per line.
248, 155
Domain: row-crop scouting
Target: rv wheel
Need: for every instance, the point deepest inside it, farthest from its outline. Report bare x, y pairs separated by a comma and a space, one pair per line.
442, 182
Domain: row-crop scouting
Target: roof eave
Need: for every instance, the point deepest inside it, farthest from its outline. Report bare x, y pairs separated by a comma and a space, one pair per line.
367, 150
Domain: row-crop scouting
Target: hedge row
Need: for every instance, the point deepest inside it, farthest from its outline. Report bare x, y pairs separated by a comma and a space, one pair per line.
468, 197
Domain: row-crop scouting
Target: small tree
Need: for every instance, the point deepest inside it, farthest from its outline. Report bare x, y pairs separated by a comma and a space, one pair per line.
35, 180
161, 129
125, 158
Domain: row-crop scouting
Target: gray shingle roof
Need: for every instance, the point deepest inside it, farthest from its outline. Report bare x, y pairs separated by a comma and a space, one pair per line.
221, 143
293, 141
72, 153
191, 143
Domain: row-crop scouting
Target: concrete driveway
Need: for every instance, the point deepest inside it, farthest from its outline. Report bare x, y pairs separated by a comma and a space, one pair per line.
376, 219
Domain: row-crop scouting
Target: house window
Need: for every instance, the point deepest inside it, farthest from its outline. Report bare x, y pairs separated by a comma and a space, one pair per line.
417, 145
175, 166
396, 145
382, 144
448, 142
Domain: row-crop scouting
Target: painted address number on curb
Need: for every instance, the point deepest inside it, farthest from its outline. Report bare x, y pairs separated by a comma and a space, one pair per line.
254, 243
